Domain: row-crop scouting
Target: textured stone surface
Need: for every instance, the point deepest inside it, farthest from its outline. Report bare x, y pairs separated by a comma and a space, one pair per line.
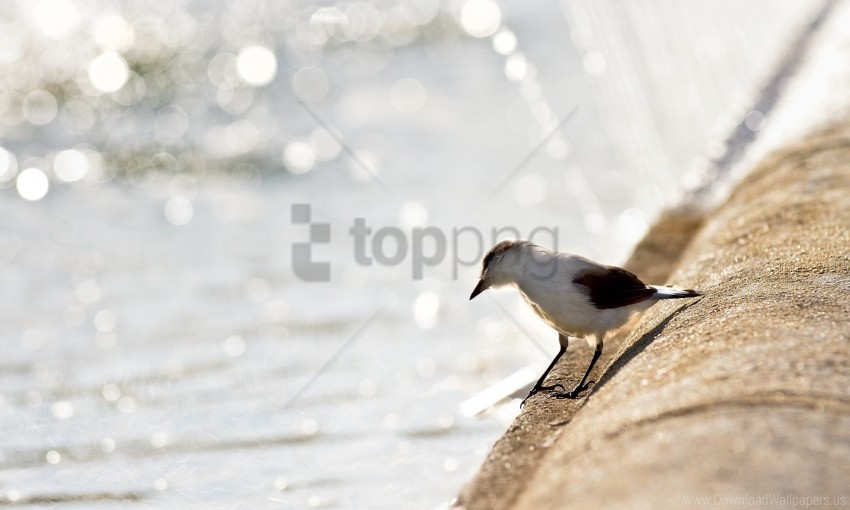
745, 392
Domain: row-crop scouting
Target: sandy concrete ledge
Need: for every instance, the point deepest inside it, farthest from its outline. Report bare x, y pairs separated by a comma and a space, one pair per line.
745, 392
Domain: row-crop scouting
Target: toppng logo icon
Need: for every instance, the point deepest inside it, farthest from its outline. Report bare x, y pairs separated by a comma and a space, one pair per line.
302, 253
427, 246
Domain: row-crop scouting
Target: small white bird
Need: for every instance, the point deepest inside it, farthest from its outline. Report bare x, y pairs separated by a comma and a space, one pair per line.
574, 295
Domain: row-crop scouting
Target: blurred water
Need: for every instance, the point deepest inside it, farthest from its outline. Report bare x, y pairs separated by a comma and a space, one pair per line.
158, 346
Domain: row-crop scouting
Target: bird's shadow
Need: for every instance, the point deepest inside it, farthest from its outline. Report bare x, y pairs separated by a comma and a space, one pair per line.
632, 350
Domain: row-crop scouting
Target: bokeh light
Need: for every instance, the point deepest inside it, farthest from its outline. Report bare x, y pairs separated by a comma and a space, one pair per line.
516, 66
32, 184
632, 224
594, 62
324, 144
8, 167
408, 95
178, 211
594, 222
111, 392
299, 157
504, 42
531, 189
754, 120
40, 107
256, 65
88, 292
365, 166
480, 18
114, 33
108, 72
413, 214
56, 18
107, 445
241, 137
233, 346
105, 321
425, 309
62, 410
70, 165
310, 83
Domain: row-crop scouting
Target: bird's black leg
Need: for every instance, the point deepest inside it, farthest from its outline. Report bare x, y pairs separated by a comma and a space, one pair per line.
564, 341
580, 387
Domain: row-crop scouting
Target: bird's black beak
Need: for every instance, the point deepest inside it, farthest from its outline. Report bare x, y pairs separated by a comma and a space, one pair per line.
478, 289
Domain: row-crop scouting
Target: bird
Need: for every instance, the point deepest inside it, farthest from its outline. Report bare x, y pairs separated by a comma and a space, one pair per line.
575, 296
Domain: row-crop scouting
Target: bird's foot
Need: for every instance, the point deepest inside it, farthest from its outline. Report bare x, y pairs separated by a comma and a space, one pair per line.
575, 393
538, 389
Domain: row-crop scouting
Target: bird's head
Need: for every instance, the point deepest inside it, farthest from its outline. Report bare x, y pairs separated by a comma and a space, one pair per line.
501, 265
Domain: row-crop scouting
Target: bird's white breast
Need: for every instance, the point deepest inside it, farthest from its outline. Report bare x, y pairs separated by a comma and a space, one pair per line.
565, 305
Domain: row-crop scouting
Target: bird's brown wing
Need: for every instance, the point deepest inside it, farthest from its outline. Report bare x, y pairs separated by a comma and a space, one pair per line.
613, 287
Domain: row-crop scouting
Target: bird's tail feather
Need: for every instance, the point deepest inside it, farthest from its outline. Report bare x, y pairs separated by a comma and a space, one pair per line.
671, 293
